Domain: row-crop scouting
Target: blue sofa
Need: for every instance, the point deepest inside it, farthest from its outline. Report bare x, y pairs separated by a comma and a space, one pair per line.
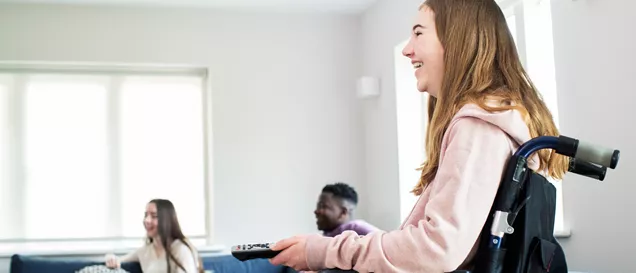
222, 263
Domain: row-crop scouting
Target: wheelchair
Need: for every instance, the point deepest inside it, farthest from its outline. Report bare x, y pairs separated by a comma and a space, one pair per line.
519, 235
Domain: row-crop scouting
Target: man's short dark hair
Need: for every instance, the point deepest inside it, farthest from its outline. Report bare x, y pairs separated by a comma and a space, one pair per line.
343, 191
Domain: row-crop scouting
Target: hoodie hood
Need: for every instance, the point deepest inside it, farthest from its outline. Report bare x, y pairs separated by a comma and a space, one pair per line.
510, 121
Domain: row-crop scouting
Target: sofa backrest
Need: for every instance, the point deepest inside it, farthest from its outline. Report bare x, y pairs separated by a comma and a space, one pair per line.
222, 263
35, 264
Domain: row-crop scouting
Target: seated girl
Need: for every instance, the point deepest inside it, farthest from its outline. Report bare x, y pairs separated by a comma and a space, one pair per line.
482, 106
166, 248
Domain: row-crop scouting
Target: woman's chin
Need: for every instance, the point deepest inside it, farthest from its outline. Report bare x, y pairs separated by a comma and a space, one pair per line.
421, 87
424, 89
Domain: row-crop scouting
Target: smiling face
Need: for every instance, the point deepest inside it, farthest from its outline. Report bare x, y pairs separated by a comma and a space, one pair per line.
151, 221
426, 53
330, 212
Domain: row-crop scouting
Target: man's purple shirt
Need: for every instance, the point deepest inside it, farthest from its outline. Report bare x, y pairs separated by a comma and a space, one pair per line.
359, 226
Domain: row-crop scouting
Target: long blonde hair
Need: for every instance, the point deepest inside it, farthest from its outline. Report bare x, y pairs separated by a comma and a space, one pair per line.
481, 62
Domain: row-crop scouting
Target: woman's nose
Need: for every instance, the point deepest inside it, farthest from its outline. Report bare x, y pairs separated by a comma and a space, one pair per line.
408, 50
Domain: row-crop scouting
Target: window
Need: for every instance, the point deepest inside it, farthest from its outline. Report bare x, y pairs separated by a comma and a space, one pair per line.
65, 155
162, 148
83, 151
530, 24
411, 105
5, 190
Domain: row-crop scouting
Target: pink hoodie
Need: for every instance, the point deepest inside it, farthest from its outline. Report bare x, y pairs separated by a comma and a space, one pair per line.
440, 233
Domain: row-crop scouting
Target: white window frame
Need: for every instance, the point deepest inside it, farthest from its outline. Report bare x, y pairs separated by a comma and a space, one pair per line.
119, 244
519, 8
412, 109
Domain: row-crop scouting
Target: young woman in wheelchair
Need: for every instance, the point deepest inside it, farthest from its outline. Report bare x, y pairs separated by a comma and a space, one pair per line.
482, 106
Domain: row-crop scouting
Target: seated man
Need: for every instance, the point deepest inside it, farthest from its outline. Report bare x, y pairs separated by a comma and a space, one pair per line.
334, 211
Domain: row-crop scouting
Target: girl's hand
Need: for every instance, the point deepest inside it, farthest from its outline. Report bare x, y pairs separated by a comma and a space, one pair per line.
293, 253
112, 261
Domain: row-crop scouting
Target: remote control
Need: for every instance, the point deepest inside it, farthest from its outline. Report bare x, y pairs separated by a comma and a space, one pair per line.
253, 251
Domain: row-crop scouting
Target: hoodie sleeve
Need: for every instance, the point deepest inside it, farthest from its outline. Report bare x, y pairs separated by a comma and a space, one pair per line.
466, 184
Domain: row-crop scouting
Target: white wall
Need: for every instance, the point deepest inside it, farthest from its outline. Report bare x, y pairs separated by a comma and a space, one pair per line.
594, 51
272, 69
285, 117
595, 57
384, 25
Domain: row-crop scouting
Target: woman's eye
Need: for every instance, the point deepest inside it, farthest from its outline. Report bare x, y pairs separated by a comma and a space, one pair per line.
418, 33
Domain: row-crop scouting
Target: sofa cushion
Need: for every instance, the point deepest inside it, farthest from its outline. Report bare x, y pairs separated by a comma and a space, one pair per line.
34, 264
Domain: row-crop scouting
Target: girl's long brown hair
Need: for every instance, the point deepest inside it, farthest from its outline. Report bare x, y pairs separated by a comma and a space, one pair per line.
481, 62
169, 230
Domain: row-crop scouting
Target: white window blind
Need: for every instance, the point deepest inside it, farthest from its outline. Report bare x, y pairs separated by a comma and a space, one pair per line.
5, 190
82, 153
530, 22
412, 107
162, 149
66, 152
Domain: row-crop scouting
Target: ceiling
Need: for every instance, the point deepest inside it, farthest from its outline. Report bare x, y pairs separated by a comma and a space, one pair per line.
336, 6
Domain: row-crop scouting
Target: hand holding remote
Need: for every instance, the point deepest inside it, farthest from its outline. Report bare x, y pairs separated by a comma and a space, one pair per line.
292, 253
